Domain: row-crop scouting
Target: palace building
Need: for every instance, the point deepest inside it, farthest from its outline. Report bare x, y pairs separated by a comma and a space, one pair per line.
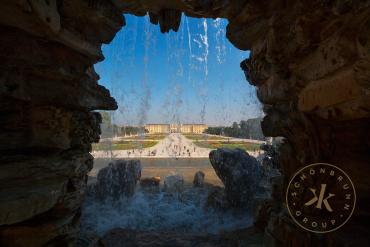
176, 128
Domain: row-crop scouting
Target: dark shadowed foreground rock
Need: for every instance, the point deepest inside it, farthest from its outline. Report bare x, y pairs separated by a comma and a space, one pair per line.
118, 179
239, 172
132, 238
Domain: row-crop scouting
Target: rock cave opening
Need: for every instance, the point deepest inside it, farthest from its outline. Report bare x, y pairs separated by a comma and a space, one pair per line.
309, 62
168, 75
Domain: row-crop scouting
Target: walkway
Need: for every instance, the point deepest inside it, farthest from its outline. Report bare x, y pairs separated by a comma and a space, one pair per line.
175, 145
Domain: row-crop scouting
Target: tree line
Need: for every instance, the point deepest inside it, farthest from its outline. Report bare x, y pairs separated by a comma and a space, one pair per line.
110, 129
249, 129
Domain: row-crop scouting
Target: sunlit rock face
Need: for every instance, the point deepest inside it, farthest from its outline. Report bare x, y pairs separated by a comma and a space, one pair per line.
239, 172
309, 61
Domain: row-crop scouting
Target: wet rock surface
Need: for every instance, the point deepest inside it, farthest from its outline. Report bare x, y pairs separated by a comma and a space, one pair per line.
239, 172
199, 179
117, 180
173, 183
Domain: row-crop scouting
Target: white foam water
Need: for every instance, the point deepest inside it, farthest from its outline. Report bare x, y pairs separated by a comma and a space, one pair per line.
181, 212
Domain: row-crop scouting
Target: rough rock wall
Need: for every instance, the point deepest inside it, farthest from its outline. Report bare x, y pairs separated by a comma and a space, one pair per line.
48, 89
309, 60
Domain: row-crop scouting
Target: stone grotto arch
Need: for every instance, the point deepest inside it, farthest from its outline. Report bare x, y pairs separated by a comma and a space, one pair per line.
310, 61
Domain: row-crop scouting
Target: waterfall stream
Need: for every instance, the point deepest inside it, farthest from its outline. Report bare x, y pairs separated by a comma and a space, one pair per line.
173, 78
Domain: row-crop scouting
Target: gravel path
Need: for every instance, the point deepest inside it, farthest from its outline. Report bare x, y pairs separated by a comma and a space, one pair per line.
175, 145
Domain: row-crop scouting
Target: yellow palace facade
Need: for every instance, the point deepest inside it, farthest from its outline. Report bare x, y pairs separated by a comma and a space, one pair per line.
176, 128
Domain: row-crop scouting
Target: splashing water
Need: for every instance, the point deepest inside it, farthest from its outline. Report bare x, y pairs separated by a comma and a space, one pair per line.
183, 212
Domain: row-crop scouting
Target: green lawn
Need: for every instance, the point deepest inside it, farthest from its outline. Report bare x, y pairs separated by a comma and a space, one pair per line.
222, 144
147, 137
203, 137
123, 145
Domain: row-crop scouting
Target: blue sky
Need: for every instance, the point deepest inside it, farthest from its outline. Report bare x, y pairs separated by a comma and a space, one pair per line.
189, 76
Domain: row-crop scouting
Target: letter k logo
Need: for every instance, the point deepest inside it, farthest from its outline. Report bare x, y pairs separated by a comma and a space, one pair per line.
320, 199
